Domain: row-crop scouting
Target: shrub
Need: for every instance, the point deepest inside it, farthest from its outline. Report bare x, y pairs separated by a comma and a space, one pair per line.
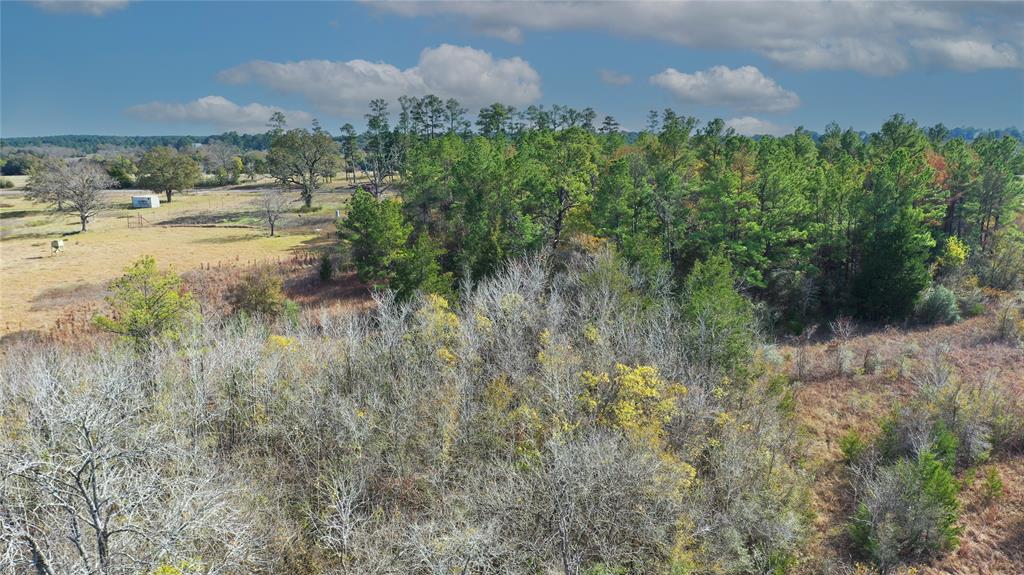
954, 255
937, 305
6, 184
970, 297
326, 269
992, 485
148, 304
1002, 267
907, 510
259, 293
1010, 321
853, 446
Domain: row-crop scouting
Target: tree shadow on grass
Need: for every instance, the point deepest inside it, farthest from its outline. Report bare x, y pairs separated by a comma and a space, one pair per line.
232, 239
208, 219
18, 214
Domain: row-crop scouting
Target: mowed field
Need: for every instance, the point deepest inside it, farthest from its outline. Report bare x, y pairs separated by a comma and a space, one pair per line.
220, 227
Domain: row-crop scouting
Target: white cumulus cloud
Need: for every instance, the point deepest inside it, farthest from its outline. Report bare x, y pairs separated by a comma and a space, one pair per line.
91, 7
219, 112
964, 54
750, 126
744, 88
474, 77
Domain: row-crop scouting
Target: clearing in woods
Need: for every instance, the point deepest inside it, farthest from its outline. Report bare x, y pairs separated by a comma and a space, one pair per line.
194, 230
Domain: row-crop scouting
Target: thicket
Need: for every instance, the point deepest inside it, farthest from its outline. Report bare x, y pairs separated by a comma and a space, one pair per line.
556, 418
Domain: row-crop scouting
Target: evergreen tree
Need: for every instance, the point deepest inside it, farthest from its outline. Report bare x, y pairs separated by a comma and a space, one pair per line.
377, 234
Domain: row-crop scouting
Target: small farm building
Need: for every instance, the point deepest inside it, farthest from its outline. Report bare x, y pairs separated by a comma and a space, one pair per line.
145, 202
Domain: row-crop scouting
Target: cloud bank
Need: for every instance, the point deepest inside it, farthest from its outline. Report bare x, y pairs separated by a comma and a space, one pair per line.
877, 38
474, 77
217, 111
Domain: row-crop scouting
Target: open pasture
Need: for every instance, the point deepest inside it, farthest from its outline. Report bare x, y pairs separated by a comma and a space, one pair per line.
201, 230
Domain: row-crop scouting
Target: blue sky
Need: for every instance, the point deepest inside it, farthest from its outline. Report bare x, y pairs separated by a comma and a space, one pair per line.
138, 68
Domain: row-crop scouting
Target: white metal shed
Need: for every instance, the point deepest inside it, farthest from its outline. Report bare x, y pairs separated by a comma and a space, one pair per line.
145, 202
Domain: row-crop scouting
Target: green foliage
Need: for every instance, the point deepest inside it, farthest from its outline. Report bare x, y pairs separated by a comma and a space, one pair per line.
1002, 266
123, 170
6, 184
898, 439
377, 234
813, 229
894, 268
417, 269
954, 255
326, 268
165, 170
303, 158
992, 488
938, 304
719, 320
259, 293
910, 510
148, 304
18, 164
853, 446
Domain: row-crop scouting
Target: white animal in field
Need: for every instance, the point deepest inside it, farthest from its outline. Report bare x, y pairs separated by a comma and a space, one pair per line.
56, 246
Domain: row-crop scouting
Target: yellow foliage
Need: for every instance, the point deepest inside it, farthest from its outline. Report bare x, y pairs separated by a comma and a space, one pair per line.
280, 342
955, 254
437, 320
511, 301
553, 354
591, 333
445, 355
636, 400
179, 568
724, 418
681, 557
483, 322
514, 420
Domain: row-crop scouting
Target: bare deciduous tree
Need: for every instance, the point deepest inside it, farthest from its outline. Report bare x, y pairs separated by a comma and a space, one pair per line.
95, 486
77, 187
272, 204
47, 182
85, 185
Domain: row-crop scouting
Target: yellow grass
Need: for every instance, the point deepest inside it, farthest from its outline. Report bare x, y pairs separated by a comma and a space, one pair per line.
37, 287
18, 181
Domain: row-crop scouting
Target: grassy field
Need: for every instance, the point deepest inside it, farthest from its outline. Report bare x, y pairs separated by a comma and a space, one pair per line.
18, 181
832, 403
205, 229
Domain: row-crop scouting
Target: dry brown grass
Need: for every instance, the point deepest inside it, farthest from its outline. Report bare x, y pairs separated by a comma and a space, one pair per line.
206, 230
832, 403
